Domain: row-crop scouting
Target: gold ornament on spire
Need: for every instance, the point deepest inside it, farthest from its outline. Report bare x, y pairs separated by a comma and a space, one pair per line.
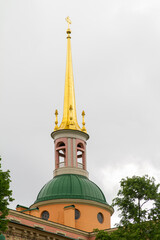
68, 30
68, 21
69, 120
56, 120
83, 122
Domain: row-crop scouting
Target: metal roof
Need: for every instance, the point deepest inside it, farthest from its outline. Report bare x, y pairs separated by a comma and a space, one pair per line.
71, 186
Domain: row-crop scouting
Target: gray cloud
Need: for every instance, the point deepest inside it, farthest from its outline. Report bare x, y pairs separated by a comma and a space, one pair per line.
115, 49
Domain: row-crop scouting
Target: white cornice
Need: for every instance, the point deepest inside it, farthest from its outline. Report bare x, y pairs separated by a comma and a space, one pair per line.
69, 133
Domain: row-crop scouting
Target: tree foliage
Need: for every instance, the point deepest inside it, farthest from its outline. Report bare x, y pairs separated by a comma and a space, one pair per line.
142, 231
5, 197
138, 201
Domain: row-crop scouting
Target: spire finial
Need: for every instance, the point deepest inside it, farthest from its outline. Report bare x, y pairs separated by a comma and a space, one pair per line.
68, 30
68, 21
83, 121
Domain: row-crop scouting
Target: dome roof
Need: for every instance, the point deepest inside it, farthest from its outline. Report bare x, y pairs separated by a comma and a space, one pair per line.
71, 186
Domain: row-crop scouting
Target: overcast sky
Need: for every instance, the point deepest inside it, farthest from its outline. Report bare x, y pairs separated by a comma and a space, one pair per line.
116, 64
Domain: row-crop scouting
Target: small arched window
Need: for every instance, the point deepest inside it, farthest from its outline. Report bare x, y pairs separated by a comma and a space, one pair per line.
80, 155
61, 154
45, 215
100, 217
77, 214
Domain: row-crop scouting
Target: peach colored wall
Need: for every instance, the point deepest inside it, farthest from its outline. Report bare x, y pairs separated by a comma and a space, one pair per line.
88, 215
69, 219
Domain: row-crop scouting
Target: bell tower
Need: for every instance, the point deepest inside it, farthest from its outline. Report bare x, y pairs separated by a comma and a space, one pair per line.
69, 138
70, 198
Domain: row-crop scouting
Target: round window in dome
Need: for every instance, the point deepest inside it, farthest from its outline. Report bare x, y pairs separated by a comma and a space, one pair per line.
100, 217
77, 214
45, 215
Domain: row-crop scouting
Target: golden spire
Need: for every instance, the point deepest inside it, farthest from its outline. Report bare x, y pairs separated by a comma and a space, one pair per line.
69, 120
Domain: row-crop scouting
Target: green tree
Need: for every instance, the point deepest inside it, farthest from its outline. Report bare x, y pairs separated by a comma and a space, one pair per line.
142, 231
138, 201
101, 235
5, 197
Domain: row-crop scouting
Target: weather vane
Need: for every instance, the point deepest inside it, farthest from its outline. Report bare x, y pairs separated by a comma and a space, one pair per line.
68, 21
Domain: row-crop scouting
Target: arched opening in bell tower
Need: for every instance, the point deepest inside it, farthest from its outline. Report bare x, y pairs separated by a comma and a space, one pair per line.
80, 156
60, 155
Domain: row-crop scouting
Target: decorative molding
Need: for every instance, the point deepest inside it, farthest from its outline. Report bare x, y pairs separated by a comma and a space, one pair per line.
14, 220
21, 231
61, 233
36, 220
39, 227
70, 170
69, 133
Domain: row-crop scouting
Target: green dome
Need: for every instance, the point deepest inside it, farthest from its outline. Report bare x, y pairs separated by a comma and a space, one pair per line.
71, 186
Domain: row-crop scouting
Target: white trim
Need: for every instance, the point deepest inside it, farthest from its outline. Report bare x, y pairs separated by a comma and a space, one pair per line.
70, 170
69, 133
74, 153
69, 152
